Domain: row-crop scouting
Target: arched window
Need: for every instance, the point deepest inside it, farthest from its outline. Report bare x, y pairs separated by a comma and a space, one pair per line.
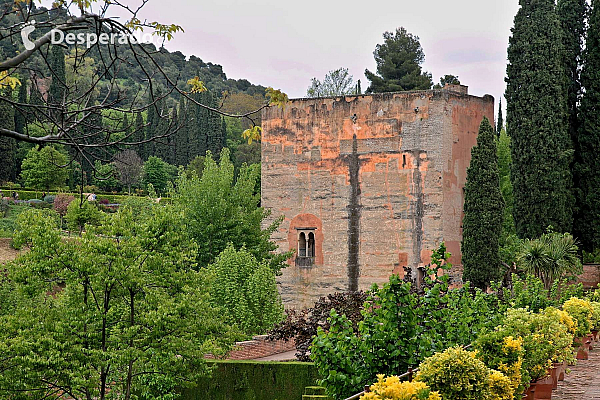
302, 245
305, 257
311, 245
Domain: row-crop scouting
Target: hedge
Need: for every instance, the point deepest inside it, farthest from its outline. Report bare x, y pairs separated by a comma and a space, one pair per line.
256, 380
31, 194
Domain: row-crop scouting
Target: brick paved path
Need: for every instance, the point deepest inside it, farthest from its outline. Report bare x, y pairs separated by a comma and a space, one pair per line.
583, 383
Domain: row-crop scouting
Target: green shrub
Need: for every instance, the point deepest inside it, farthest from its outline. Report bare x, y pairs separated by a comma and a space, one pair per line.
246, 290
456, 374
80, 214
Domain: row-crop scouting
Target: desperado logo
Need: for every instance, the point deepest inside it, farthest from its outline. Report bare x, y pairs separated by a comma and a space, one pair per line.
25, 32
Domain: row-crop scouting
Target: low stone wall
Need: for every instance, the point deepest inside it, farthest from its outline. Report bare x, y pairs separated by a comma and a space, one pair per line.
259, 347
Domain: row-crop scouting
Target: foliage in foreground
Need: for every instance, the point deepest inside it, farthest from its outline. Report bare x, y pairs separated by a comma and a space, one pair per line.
246, 290
119, 311
401, 326
301, 326
457, 374
220, 210
391, 388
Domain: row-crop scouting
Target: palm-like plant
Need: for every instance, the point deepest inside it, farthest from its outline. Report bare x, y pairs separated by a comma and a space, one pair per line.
551, 257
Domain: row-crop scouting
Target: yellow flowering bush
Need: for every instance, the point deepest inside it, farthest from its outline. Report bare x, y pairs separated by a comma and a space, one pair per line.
581, 311
457, 374
567, 321
391, 388
557, 328
503, 353
501, 387
596, 316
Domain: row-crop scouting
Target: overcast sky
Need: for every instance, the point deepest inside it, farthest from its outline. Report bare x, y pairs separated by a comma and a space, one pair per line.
284, 44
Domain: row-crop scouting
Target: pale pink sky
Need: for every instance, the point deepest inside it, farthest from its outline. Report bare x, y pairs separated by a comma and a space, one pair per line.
284, 44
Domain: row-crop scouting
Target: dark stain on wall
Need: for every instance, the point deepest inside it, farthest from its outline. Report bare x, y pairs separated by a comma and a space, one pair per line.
354, 218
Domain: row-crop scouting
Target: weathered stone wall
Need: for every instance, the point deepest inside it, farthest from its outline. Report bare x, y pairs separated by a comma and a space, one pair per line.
378, 177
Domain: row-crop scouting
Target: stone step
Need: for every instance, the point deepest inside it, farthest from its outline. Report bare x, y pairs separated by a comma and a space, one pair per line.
315, 393
314, 390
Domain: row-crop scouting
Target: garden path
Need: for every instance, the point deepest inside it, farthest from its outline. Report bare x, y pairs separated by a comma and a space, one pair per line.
583, 383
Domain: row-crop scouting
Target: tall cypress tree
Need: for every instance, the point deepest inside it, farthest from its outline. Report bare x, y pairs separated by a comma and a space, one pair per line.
483, 208
21, 114
56, 91
572, 14
500, 122
139, 135
8, 146
173, 138
223, 133
537, 118
587, 166
181, 137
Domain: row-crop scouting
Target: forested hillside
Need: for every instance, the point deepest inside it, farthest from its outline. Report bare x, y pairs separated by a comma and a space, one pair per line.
196, 129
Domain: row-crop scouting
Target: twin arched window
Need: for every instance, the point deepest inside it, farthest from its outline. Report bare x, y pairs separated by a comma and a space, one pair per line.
306, 248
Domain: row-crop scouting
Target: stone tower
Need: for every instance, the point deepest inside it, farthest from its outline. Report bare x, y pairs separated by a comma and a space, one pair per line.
367, 184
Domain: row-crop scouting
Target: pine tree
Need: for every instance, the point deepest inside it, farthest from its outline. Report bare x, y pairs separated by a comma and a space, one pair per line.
500, 122
537, 117
483, 212
587, 167
399, 61
8, 146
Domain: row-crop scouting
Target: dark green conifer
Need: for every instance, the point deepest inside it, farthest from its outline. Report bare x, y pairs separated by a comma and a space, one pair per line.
500, 122
8, 146
572, 14
138, 136
537, 119
21, 112
587, 166
58, 84
483, 212
181, 136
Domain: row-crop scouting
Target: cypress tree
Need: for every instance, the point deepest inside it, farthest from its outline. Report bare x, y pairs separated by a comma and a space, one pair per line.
139, 135
56, 91
8, 146
152, 120
571, 14
587, 167
181, 137
173, 138
500, 122
483, 211
537, 117
21, 114
223, 133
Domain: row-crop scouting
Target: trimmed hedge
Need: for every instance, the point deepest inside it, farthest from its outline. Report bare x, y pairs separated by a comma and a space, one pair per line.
31, 194
254, 380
